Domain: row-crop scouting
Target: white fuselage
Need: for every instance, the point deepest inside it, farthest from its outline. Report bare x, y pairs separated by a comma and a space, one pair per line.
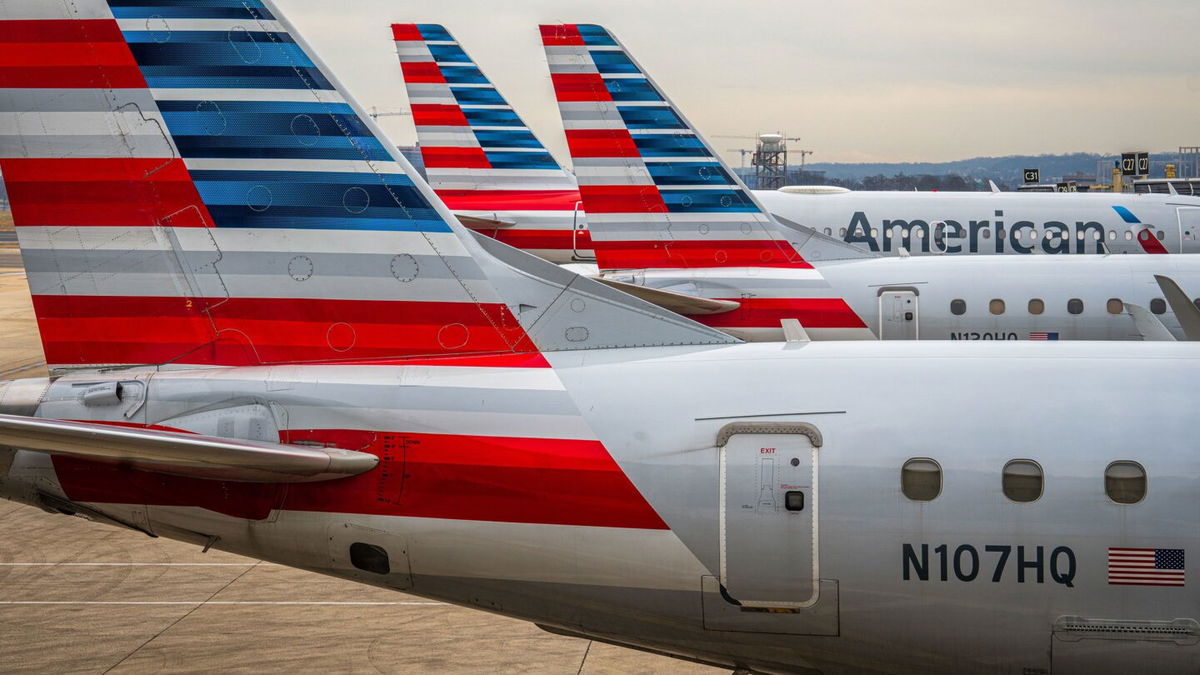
995, 222
953, 298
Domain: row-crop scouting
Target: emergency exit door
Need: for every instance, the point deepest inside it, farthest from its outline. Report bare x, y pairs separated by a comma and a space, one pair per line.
768, 525
898, 318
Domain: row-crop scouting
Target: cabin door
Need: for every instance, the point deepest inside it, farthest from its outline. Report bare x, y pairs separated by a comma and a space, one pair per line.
768, 528
898, 318
1189, 230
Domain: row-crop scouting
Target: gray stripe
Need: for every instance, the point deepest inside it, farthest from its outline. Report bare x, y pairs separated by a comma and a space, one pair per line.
73, 100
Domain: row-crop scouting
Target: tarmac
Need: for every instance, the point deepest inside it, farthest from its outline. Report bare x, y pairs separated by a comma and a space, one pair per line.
80, 597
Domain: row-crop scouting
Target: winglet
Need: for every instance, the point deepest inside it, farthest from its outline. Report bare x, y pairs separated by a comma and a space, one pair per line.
1148, 325
992, 185
1186, 312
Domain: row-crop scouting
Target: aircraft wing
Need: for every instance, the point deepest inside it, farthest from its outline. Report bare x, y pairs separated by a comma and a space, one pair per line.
680, 303
183, 454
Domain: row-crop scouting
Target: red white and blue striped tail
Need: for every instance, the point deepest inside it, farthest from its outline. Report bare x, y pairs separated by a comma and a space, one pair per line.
480, 157
192, 187
656, 194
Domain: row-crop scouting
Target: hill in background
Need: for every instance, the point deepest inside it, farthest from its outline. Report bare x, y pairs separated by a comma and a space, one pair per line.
1006, 171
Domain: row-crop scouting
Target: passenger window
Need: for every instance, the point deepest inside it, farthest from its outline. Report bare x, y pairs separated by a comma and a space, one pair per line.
921, 479
1128, 235
1075, 306
1125, 482
1161, 235
369, 557
986, 234
1112, 234
958, 307
828, 232
1196, 302
1158, 306
1022, 480
1036, 306
1115, 306
842, 232
996, 306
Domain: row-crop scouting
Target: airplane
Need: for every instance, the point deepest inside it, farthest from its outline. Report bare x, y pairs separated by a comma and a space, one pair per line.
462, 120
1021, 223
268, 336
672, 223
480, 157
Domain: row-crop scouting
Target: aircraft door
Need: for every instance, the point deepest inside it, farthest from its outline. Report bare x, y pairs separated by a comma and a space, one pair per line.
768, 527
1189, 230
898, 319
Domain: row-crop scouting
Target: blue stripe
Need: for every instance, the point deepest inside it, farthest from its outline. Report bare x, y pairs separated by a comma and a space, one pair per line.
258, 147
224, 37
433, 31
190, 9
257, 107
520, 160
463, 75
670, 145
184, 77
707, 201
689, 173
632, 90
472, 96
507, 139
613, 62
315, 200
637, 117
477, 117
449, 54
595, 36
1126, 215
206, 53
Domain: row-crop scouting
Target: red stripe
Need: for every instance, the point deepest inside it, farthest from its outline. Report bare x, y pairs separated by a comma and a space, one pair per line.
684, 254
454, 158
601, 143
437, 115
578, 87
518, 480
60, 30
66, 54
406, 32
422, 72
561, 36
106, 329
768, 312
1149, 242
560, 240
510, 200
107, 191
622, 199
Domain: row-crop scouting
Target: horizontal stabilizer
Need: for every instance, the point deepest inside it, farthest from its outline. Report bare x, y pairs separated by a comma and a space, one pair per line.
680, 303
477, 223
1186, 312
182, 454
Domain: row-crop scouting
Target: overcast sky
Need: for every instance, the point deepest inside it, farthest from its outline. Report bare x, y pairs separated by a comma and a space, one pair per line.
859, 80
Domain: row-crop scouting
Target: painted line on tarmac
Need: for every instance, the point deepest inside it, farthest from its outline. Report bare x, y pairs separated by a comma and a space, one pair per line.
305, 603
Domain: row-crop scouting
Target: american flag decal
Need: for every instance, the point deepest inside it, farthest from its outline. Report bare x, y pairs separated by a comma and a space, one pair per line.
1145, 566
1043, 336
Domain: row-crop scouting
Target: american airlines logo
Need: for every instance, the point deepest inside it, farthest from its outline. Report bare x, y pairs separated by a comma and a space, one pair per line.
977, 236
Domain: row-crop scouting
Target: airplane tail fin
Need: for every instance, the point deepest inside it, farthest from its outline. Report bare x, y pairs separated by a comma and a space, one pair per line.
191, 186
657, 195
480, 157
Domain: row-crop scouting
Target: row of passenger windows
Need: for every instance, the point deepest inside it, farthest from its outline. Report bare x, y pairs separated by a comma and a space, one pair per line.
996, 306
1021, 480
1032, 235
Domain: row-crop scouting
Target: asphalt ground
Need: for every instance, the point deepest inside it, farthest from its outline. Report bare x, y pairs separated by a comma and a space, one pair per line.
80, 597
